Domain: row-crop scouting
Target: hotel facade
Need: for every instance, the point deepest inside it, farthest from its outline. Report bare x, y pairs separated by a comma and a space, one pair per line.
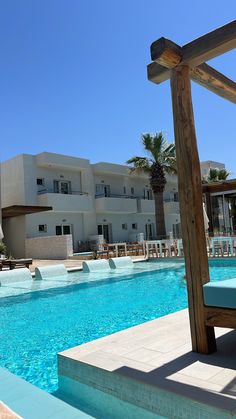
55, 195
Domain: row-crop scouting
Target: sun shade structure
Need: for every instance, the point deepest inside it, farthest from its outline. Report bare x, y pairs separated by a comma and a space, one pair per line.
18, 210
181, 65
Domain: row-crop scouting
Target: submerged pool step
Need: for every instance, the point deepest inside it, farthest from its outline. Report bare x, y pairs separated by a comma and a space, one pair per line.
29, 402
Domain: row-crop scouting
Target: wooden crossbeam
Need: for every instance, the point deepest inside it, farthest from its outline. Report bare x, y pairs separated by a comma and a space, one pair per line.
203, 74
211, 45
214, 81
202, 49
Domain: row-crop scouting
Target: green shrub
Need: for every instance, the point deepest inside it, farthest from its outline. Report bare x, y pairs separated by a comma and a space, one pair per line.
3, 248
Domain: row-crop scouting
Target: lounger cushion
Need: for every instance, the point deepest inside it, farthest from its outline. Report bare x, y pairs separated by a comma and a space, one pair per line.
220, 294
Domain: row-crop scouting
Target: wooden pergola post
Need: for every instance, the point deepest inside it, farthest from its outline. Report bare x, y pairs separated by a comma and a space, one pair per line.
190, 196
180, 64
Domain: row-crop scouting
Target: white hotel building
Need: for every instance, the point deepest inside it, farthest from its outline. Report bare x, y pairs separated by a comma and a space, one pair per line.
50, 194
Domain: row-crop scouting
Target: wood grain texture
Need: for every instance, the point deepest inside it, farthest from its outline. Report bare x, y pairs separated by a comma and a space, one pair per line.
166, 53
220, 317
204, 75
157, 74
214, 81
196, 52
210, 45
191, 210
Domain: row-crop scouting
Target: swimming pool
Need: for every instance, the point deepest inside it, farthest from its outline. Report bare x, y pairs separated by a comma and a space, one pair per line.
34, 326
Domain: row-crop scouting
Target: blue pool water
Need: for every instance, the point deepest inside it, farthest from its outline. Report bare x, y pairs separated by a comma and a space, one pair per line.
35, 326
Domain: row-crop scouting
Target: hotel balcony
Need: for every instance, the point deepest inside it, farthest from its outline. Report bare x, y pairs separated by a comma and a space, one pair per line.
120, 204
73, 202
146, 206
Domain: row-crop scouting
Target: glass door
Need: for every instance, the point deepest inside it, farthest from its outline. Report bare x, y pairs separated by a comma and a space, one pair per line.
147, 194
106, 231
63, 229
62, 186
149, 229
103, 190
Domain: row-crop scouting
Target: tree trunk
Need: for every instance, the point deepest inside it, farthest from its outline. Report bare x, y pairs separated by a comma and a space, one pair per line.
160, 215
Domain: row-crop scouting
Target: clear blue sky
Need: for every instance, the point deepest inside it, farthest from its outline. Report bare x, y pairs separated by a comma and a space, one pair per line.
73, 77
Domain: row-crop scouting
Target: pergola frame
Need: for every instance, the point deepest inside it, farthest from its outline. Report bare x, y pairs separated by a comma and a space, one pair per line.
181, 65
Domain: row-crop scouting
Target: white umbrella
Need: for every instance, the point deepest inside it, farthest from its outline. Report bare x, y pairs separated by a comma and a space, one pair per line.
206, 219
1, 233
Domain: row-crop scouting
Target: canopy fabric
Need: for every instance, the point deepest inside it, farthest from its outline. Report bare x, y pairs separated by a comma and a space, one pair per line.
206, 219
1, 233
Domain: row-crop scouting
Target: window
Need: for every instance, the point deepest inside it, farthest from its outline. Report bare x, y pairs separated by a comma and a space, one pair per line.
63, 230
62, 186
40, 181
147, 194
132, 190
124, 226
43, 228
134, 226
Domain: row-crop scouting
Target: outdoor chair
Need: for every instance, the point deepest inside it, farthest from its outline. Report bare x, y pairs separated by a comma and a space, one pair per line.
16, 263
131, 249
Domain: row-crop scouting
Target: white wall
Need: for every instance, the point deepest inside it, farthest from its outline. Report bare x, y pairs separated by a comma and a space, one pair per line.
14, 236
12, 182
32, 172
52, 219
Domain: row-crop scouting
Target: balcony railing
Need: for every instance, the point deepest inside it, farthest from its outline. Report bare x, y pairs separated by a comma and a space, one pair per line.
166, 198
171, 199
44, 191
103, 195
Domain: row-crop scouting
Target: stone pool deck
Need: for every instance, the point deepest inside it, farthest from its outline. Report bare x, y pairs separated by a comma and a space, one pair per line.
152, 366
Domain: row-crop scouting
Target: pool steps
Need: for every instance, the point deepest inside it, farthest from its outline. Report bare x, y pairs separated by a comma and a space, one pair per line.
28, 401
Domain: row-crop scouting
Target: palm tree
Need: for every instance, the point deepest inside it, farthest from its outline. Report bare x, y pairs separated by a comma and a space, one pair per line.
223, 174
161, 160
216, 175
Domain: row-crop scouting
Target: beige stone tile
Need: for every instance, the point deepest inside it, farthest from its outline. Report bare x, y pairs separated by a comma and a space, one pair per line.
100, 359
7, 413
142, 355
201, 370
193, 381
224, 377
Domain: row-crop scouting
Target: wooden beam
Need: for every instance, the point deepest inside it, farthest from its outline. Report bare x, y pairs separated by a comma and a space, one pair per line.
157, 73
222, 186
166, 53
211, 45
191, 210
214, 81
220, 317
204, 75
217, 42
